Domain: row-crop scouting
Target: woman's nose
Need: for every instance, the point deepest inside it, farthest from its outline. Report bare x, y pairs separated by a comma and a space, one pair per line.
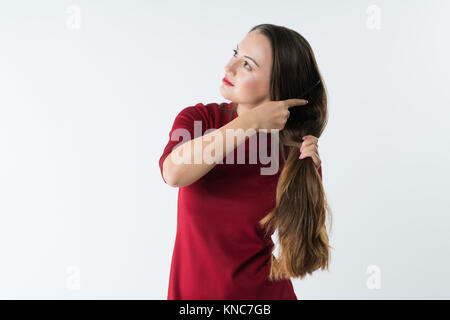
230, 67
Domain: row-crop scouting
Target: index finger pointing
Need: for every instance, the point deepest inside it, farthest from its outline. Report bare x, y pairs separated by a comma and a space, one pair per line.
294, 102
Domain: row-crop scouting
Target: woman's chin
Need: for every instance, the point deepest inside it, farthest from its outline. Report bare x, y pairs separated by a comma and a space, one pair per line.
225, 94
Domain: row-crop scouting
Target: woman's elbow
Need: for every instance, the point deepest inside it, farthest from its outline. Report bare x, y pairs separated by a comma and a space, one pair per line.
171, 182
169, 177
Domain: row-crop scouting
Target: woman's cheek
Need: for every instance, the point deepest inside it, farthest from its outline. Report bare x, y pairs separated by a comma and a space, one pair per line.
258, 89
250, 89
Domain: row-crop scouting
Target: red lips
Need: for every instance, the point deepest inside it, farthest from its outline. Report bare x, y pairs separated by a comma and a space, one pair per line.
227, 81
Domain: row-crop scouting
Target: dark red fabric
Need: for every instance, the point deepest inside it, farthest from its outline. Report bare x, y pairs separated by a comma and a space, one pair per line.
220, 250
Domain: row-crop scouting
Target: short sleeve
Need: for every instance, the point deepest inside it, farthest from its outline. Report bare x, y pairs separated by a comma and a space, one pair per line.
195, 120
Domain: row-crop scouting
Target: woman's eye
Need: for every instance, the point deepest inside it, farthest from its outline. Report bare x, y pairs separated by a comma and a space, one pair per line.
245, 62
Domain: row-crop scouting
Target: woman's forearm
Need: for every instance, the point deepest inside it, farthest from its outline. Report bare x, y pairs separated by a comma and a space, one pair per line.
194, 164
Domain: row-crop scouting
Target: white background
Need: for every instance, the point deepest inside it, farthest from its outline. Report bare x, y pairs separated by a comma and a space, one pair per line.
85, 114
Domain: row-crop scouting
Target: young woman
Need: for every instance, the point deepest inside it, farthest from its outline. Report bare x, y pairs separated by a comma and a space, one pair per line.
227, 212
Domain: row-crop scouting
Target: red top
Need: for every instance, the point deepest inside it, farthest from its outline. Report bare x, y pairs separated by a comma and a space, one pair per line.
220, 251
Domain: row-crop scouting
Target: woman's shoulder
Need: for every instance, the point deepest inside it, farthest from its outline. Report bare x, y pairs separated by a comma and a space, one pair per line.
214, 106
212, 110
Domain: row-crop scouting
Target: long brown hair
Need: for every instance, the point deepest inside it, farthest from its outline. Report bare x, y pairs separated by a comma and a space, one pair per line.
301, 206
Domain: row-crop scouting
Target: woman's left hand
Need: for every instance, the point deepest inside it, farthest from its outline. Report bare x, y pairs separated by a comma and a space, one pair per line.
309, 148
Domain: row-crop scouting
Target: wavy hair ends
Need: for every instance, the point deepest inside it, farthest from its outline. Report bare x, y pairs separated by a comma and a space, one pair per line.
300, 217
301, 209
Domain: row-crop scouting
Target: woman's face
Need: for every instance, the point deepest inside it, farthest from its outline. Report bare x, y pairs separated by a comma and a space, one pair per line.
249, 71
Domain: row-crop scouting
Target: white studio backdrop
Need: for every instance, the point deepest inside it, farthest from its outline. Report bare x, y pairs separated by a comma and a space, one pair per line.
88, 94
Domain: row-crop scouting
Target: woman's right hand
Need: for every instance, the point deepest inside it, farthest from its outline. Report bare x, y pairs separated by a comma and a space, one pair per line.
273, 114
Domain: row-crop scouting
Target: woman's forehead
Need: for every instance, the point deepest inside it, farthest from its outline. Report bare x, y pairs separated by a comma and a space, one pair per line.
256, 46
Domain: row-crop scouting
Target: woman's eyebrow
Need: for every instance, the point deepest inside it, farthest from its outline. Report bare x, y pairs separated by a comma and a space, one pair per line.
237, 46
